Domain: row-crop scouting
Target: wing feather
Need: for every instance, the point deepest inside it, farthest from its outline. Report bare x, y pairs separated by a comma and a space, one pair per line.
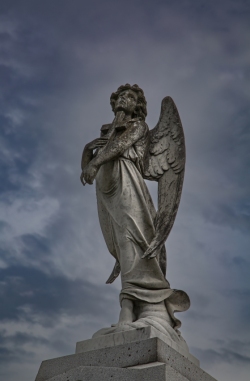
160, 146
115, 273
156, 166
165, 163
166, 136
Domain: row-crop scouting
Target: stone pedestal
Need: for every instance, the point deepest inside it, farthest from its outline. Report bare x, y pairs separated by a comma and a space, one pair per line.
136, 355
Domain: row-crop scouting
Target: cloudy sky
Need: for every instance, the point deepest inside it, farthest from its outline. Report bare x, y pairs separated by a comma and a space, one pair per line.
60, 61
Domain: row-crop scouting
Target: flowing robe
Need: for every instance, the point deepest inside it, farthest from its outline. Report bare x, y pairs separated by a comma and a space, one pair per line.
126, 214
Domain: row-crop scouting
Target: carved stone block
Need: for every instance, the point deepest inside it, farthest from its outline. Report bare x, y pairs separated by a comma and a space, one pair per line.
138, 360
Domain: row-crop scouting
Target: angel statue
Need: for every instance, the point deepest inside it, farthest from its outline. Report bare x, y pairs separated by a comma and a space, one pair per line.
127, 153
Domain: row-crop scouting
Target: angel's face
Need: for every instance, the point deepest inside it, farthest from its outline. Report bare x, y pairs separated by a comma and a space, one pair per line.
126, 101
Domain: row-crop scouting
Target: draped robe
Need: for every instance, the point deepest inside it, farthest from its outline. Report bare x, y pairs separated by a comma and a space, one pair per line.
126, 214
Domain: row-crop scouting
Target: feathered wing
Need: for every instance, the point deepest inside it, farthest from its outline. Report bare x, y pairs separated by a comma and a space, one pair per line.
115, 273
165, 163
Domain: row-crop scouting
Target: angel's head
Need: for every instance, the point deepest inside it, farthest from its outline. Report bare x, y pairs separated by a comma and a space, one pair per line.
129, 98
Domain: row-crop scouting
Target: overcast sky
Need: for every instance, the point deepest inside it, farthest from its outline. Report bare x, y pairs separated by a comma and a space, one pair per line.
59, 62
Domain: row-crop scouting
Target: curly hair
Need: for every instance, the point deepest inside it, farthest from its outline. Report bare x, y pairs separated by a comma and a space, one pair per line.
141, 107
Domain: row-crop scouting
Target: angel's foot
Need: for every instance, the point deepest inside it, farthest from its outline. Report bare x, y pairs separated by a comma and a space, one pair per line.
124, 325
126, 314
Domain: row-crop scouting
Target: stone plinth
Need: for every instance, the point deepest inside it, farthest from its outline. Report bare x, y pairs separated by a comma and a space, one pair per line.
131, 356
132, 335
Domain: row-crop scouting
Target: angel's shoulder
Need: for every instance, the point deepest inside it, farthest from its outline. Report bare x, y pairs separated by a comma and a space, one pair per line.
139, 123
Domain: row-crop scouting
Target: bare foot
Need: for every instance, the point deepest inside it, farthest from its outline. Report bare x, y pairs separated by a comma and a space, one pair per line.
126, 314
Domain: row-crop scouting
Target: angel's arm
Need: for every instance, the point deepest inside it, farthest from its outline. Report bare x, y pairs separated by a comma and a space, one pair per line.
117, 146
88, 153
87, 156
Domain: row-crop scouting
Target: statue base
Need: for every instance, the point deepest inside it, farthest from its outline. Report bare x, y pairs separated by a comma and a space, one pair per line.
138, 354
126, 337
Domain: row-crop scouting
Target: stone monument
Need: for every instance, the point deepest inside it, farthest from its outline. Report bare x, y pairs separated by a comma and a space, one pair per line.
146, 343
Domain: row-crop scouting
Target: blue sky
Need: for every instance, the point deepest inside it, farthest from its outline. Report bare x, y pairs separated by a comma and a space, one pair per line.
59, 63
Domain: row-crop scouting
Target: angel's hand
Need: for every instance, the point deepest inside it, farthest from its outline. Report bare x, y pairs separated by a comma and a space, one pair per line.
89, 172
96, 143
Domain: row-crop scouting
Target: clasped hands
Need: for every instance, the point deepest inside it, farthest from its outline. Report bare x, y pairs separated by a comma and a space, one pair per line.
90, 171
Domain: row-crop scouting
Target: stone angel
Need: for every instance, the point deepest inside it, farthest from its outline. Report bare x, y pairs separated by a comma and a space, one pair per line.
135, 233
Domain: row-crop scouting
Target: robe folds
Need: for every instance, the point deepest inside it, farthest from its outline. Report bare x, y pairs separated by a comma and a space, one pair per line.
126, 214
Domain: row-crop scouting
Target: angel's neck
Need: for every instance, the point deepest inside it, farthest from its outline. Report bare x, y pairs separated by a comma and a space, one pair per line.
121, 117
125, 117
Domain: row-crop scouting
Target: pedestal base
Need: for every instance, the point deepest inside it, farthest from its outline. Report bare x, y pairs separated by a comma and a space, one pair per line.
126, 356
150, 372
132, 335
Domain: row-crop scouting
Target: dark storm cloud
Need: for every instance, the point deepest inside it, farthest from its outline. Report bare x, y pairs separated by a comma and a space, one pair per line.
22, 338
48, 296
18, 341
30, 298
225, 355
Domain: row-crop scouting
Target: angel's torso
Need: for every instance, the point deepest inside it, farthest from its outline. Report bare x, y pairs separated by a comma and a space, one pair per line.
136, 152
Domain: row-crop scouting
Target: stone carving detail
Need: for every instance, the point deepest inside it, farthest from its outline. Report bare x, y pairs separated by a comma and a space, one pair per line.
126, 153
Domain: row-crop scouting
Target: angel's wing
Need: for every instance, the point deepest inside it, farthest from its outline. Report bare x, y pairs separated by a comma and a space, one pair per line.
115, 273
165, 163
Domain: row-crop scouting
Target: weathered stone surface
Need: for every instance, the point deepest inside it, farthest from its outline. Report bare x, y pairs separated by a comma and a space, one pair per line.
124, 356
121, 356
126, 153
128, 337
153, 371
